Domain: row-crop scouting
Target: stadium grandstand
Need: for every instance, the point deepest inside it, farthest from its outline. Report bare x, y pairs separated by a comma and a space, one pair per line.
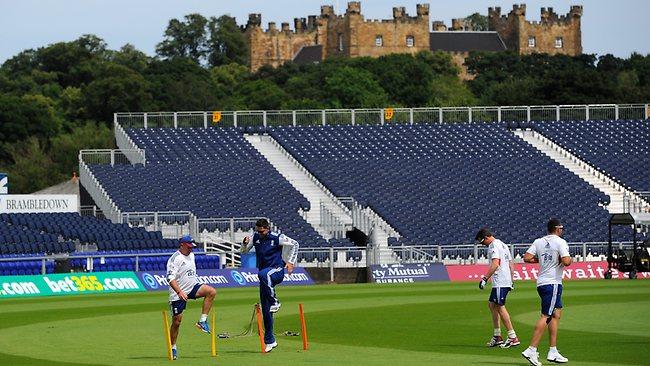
415, 183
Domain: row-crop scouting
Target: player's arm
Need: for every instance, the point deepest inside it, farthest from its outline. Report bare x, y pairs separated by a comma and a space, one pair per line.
174, 285
565, 256
531, 255
247, 244
292, 256
172, 272
494, 265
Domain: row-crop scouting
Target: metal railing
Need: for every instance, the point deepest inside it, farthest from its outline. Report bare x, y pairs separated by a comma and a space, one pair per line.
380, 116
365, 219
97, 192
172, 224
353, 257
92, 184
132, 152
331, 223
639, 202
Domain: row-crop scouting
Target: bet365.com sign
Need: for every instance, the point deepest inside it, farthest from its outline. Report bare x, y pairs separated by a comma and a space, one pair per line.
69, 284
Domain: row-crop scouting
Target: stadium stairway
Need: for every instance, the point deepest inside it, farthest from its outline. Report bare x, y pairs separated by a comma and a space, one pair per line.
304, 183
315, 192
578, 167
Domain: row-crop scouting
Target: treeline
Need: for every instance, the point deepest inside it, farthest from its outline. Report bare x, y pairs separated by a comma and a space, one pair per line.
59, 99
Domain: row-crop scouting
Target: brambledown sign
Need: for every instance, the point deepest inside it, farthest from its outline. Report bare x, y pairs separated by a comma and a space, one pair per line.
37, 203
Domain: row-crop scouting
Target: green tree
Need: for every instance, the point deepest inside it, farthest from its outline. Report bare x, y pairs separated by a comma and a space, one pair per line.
348, 87
477, 22
117, 89
130, 57
227, 43
29, 166
186, 39
64, 150
262, 94
26, 116
181, 84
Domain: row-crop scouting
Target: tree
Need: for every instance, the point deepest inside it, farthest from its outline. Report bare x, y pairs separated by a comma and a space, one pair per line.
227, 43
348, 87
130, 57
262, 94
185, 39
64, 150
117, 89
477, 22
181, 84
25, 116
31, 168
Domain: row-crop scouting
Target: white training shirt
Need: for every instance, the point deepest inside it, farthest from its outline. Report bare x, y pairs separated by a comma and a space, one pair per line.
181, 268
549, 251
502, 277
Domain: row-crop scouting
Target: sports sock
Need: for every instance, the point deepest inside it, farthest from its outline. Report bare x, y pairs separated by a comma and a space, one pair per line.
204, 317
497, 332
512, 334
532, 349
552, 349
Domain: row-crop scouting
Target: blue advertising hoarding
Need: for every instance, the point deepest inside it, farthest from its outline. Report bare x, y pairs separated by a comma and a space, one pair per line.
408, 273
240, 277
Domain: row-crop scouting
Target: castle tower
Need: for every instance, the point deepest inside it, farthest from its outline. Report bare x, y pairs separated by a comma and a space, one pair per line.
553, 34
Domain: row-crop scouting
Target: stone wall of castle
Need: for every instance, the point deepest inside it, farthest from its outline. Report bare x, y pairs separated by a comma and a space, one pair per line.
553, 34
350, 35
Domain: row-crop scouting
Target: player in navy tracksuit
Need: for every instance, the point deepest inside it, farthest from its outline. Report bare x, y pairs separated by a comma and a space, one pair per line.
272, 259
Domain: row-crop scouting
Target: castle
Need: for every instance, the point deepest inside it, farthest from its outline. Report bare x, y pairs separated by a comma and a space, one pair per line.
350, 35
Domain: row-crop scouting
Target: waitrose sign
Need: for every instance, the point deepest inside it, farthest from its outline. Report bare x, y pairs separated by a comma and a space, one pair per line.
69, 284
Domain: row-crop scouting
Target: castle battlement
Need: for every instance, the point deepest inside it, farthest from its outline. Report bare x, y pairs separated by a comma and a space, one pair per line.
350, 35
552, 34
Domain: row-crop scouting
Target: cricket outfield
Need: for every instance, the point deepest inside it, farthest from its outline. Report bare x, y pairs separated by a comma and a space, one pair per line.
604, 323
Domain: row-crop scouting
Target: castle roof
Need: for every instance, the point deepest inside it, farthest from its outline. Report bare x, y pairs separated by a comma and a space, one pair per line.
309, 55
461, 41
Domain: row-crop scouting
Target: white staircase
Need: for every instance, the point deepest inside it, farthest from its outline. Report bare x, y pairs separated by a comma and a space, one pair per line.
579, 168
302, 180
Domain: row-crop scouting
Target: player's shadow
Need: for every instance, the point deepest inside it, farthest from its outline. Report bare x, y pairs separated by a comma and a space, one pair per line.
160, 358
240, 351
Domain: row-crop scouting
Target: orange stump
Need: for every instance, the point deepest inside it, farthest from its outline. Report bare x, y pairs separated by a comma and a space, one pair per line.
260, 328
303, 326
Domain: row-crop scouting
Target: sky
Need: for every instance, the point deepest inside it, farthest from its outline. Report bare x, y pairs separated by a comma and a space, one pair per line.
617, 27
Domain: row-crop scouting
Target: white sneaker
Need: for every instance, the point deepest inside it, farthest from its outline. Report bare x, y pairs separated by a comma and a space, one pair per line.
275, 307
556, 357
532, 357
270, 347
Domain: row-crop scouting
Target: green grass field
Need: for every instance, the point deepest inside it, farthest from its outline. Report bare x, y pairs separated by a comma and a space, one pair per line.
604, 323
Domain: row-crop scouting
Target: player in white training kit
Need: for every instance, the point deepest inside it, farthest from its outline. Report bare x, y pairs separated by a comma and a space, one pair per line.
183, 285
500, 270
552, 253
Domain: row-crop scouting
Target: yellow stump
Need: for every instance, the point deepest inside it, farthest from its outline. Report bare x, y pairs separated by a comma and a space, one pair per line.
213, 335
168, 339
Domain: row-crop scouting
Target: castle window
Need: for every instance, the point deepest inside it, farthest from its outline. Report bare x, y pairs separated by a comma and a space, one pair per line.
379, 41
559, 43
410, 41
340, 42
531, 42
